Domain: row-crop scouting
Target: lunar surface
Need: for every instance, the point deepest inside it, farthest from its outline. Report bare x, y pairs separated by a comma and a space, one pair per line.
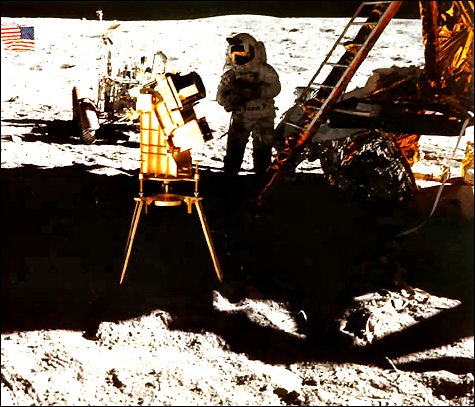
400, 308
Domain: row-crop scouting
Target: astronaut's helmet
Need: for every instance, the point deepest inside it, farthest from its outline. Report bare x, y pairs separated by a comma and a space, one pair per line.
245, 52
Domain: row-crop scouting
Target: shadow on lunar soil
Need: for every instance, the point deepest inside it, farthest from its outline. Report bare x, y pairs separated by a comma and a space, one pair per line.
64, 232
65, 132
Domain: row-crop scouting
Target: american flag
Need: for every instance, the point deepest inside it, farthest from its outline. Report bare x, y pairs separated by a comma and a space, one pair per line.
18, 38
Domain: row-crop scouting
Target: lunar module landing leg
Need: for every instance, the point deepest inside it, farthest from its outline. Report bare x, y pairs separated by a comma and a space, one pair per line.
168, 129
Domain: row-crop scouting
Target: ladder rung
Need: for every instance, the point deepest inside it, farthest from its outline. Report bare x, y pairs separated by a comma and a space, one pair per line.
337, 64
312, 107
362, 23
294, 125
324, 86
374, 3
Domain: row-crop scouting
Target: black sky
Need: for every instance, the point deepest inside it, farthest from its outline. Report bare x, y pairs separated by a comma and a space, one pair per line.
169, 10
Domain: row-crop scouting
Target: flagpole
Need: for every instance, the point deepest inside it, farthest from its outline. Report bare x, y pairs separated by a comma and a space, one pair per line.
35, 53
35, 56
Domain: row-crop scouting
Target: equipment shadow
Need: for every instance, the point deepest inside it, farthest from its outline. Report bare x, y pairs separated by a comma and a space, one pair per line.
66, 132
64, 232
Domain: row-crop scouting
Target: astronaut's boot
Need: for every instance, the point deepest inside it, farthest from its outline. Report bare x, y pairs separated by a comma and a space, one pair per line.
262, 159
233, 158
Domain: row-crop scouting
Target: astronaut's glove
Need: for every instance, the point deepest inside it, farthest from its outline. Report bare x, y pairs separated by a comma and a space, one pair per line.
239, 92
249, 91
233, 101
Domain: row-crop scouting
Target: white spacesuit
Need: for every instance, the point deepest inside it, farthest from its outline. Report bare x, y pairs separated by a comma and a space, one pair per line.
247, 90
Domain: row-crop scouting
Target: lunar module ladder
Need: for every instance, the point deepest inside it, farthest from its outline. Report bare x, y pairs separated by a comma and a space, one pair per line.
380, 14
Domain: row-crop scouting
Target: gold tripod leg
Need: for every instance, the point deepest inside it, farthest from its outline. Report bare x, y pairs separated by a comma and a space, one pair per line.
130, 240
132, 224
204, 225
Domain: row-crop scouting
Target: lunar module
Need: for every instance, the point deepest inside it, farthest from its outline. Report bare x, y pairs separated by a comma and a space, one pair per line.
367, 139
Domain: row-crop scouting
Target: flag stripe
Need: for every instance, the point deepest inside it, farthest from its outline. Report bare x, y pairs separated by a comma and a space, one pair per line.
10, 34
21, 46
18, 38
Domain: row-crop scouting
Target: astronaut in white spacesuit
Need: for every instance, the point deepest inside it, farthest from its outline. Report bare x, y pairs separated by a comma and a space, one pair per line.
248, 90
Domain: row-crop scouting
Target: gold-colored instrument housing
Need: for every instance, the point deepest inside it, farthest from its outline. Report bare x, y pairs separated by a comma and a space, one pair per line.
169, 129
